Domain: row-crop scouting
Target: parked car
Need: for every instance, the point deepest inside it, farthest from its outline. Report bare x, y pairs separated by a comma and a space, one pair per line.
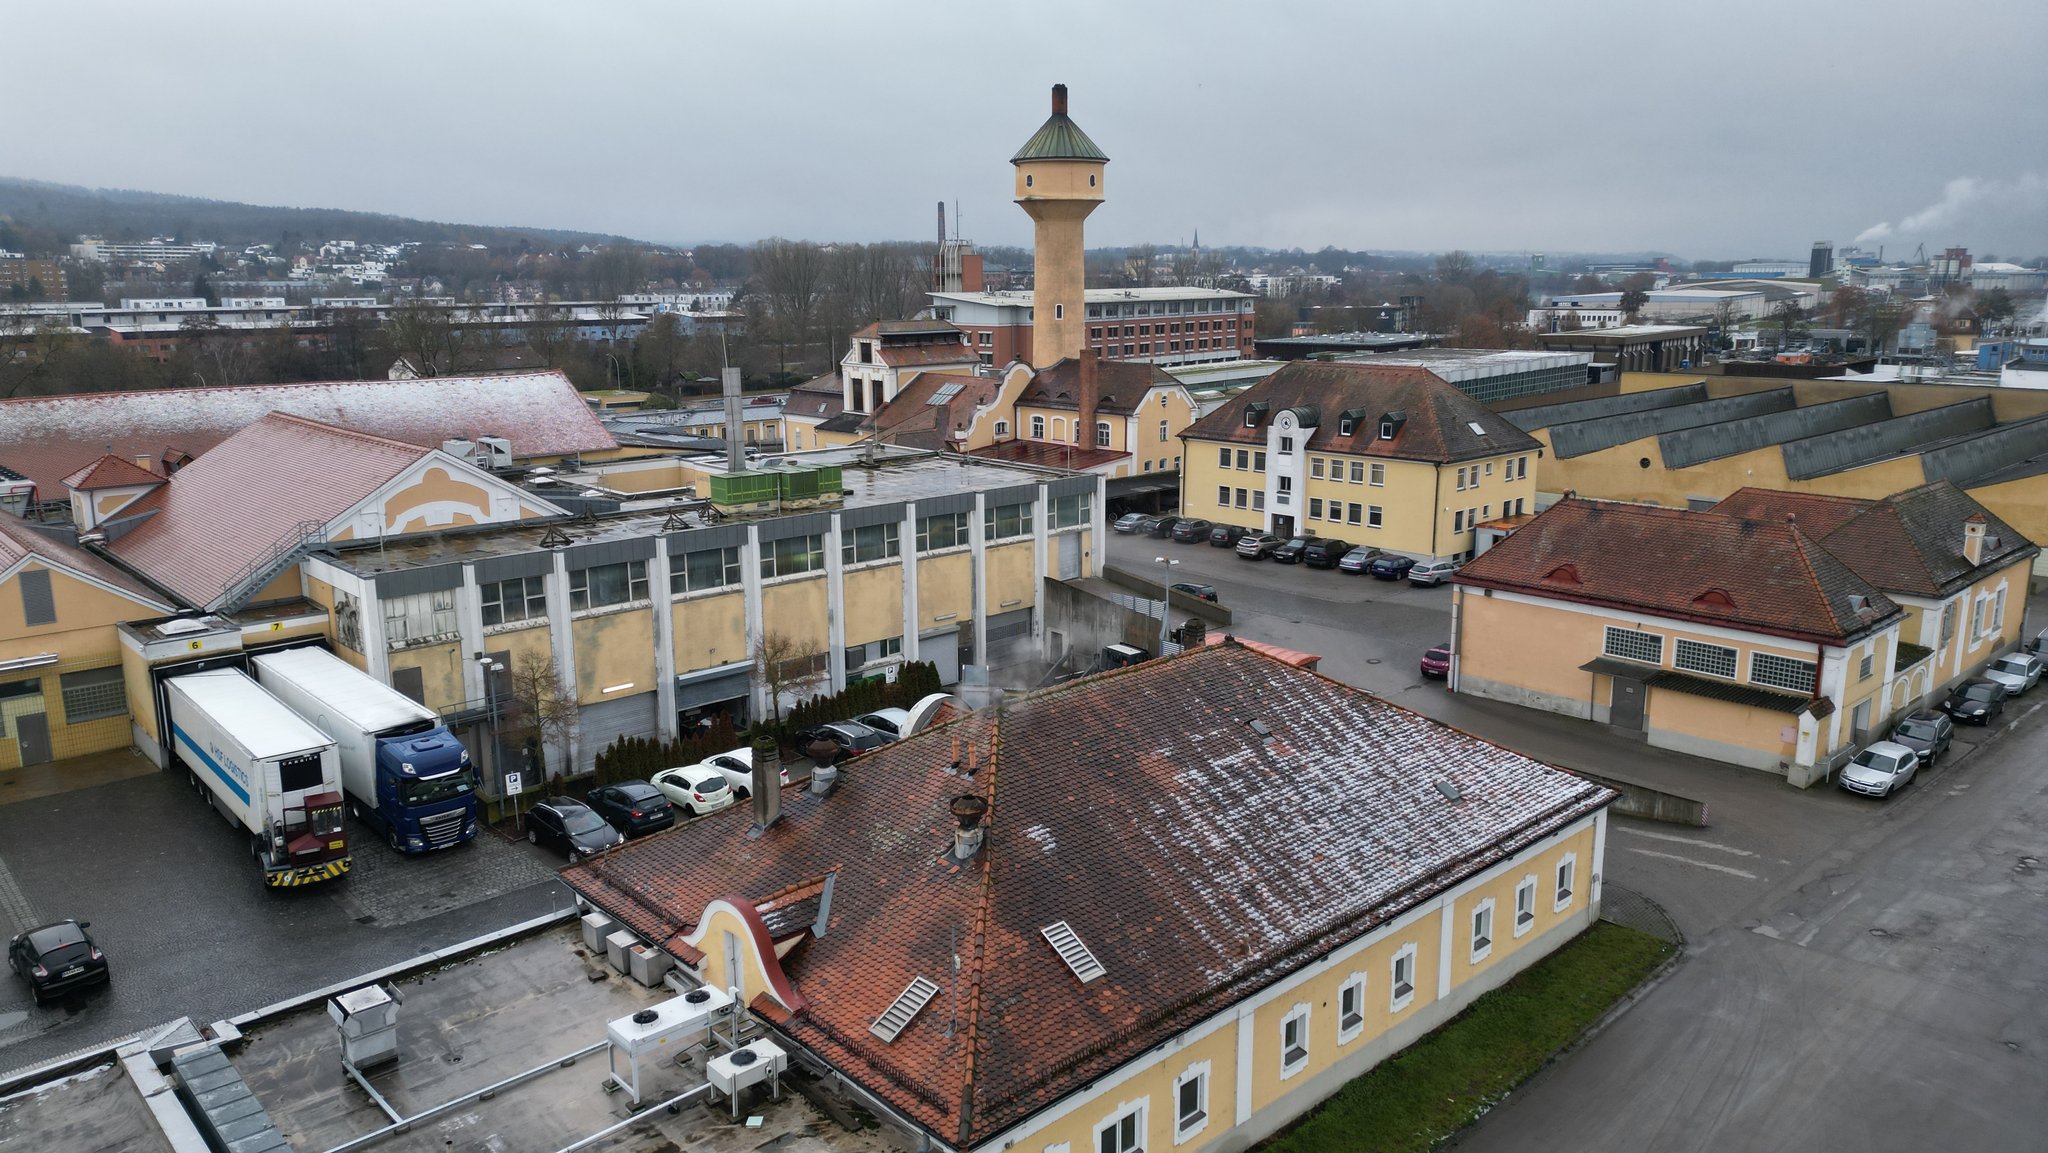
1291, 551
1325, 552
888, 722
1199, 592
1926, 733
737, 767
839, 740
1979, 702
57, 958
1880, 769
695, 789
1357, 560
2039, 644
572, 827
2018, 672
1432, 572
1436, 662
1128, 522
1192, 529
1226, 535
1161, 526
632, 807
1390, 566
1257, 545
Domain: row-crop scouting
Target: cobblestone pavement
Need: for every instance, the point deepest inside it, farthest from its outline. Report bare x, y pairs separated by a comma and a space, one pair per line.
189, 927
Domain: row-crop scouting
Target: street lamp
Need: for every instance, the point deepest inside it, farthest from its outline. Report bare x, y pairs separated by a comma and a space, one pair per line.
1165, 599
490, 666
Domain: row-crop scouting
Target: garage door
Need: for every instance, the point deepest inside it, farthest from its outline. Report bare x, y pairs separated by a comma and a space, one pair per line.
713, 686
602, 723
942, 648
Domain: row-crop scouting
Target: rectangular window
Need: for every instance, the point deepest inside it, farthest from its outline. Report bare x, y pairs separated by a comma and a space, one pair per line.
1998, 610
1379, 475
1863, 670
419, 617
1294, 1041
1482, 930
1401, 990
1258, 462
869, 653
1223, 495
1244, 457
518, 599
1073, 511
1781, 672
870, 542
1525, 905
1240, 502
94, 694
1634, 645
1162, 432
946, 530
705, 568
1567, 877
792, 555
1489, 468
1258, 500
1351, 1009
1005, 521
1696, 657
1315, 508
1315, 468
38, 605
607, 584
1101, 434
1461, 480
1222, 458
1123, 1133
1375, 516
1191, 1102
1458, 521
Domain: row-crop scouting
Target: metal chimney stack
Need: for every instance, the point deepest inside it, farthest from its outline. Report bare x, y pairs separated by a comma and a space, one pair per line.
735, 427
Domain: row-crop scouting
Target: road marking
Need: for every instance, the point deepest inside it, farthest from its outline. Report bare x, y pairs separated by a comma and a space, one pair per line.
1699, 864
1634, 832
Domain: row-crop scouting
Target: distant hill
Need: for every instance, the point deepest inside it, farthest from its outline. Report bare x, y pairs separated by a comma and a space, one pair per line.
44, 218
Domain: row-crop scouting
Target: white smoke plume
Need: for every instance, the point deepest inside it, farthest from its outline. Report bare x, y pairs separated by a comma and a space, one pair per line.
1966, 198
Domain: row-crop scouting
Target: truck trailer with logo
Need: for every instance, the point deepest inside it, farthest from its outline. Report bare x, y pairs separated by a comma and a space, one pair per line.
265, 769
405, 774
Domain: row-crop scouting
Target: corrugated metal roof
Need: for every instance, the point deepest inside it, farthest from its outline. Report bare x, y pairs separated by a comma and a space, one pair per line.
2023, 443
1849, 447
1582, 437
1545, 415
1059, 139
1689, 446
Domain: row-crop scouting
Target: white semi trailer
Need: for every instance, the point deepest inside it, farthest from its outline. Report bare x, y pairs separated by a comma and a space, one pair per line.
265, 769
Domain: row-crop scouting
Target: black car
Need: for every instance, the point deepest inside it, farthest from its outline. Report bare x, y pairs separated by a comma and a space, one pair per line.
1390, 566
1226, 535
572, 827
632, 807
1257, 545
833, 743
1190, 530
1926, 733
1160, 526
1292, 551
57, 958
1978, 702
1325, 553
1199, 592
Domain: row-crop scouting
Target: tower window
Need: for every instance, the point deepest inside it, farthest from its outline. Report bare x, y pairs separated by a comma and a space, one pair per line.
1027, 182
1091, 182
1059, 312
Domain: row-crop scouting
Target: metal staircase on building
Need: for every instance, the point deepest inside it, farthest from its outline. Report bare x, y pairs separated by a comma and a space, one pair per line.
301, 539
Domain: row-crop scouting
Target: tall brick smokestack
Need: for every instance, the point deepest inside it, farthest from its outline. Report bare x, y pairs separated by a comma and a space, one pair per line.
1089, 396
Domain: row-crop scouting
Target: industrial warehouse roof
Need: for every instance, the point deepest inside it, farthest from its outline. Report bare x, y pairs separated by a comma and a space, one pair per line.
1761, 575
1909, 543
1581, 437
1535, 416
1681, 448
1204, 825
1436, 421
47, 438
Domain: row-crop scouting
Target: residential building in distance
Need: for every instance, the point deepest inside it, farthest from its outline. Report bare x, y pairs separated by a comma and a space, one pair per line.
22, 278
1779, 631
1389, 456
1153, 970
1166, 326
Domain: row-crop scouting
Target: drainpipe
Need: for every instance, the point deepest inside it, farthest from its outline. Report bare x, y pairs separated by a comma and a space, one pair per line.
1436, 509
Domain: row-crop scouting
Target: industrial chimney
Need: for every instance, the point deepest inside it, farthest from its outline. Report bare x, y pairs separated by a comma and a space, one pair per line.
735, 427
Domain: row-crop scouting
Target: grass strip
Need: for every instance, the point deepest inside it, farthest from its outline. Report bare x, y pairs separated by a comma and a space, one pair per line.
1442, 1083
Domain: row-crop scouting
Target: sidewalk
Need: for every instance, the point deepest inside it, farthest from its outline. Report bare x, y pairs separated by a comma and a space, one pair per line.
71, 774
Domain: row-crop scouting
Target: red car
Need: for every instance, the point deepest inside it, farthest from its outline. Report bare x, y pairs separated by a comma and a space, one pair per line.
1436, 663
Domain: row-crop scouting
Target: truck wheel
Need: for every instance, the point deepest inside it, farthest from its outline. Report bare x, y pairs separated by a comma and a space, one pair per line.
391, 838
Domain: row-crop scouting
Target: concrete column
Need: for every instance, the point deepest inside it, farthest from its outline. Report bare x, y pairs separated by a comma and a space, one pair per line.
750, 581
375, 652
1041, 511
563, 641
835, 607
978, 551
906, 535
664, 640
469, 625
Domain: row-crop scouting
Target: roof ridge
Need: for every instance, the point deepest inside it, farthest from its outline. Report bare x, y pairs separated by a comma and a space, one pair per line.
292, 384
978, 941
341, 430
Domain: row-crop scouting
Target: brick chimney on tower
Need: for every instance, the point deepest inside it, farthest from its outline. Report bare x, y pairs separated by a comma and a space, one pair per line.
1089, 397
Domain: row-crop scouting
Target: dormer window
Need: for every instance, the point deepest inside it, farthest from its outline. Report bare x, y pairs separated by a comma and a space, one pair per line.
1255, 413
1344, 427
1387, 429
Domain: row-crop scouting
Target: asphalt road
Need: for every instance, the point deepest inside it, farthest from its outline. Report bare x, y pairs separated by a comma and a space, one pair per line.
190, 929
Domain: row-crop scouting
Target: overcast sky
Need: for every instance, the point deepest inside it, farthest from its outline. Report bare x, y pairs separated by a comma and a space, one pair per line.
1711, 130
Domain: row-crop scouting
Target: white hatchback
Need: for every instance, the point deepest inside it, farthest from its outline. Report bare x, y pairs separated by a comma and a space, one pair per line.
737, 767
695, 789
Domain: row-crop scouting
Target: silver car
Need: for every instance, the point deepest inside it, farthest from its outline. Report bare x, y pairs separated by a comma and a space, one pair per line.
1432, 572
2018, 672
1880, 769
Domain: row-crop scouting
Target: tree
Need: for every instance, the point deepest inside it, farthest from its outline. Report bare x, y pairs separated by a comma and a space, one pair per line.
1725, 320
1632, 301
793, 283
661, 349
1846, 305
1791, 319
1882, 319
1994, 305
549, 332
1570, 322
1455, 267
539, 709
426, 335
1587, 282
786, 665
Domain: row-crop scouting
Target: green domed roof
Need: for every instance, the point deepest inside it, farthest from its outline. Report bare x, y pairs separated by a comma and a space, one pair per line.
1059, 138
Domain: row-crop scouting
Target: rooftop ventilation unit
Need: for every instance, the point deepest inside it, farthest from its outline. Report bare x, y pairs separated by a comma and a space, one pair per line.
898, 1015
1068, 945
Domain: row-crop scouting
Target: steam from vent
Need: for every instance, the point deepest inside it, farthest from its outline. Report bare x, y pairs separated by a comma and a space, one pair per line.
1967, 199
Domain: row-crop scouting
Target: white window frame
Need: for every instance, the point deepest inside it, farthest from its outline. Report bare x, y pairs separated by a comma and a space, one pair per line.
1807, 677
1375, 516
1682, 645
1348, 1032
1378, 475
1183, 1129
1299, 1016
1141, 1107
1525, 904
1037, 428
1566, 879
1482, 930
1607, 646
1396, 999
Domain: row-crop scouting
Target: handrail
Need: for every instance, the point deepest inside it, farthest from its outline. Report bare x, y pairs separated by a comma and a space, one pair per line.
258, 572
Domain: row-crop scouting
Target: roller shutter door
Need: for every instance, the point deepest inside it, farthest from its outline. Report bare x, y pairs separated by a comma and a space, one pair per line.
606, 721
942, 648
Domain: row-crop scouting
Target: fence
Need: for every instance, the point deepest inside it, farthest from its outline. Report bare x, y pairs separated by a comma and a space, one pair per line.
1632, 910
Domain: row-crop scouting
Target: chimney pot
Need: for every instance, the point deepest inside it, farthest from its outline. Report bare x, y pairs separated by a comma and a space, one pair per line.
1059, 100
968, 809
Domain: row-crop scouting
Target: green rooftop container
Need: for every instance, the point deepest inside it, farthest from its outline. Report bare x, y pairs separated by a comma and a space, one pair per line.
743, 488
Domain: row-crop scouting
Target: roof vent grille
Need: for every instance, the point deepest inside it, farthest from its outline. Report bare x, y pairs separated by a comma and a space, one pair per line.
898, 1015
1067, 944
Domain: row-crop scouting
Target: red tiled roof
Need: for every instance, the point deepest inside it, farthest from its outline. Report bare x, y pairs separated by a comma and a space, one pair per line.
20, 541
1910, 543
1295, 657
818, 398
1435, 418
110, 471
919, 355
47, 438
906, 328
1764, 576
1817, 514
1197, 860
1048, 454
233, 505
1121, 384
910, 417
